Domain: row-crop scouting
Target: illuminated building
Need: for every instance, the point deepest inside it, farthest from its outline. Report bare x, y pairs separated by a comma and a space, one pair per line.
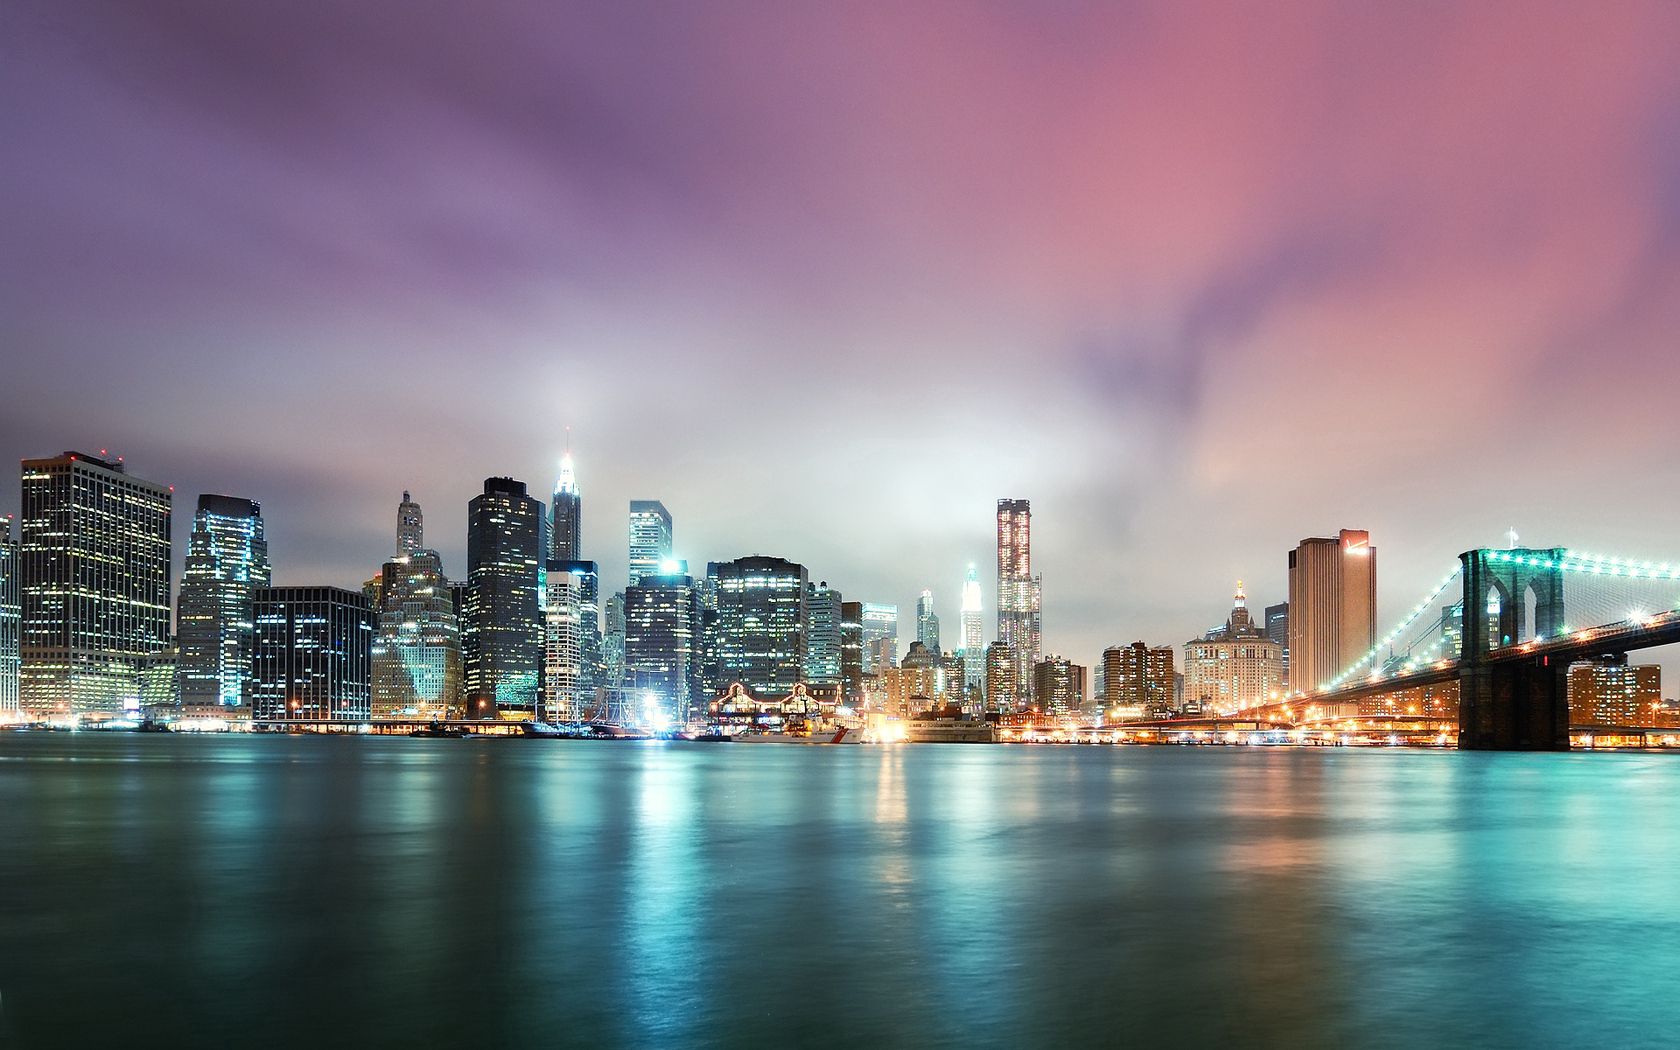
565, 523
650, 538
973, 634
927, 624
1611, 692
94, 584
1001, 665
851, 653
227, 561
416, 662
160, 685
502, 654
1332, 607
1140, 677
1277, 629
1018, 591
823, 634
763, 623
10, 621
411, 526
880, 636
1058, 686
662, 648
312, 654
571, 639
1234, 667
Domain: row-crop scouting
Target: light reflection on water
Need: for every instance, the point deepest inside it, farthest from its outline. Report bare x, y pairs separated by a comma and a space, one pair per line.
248, 891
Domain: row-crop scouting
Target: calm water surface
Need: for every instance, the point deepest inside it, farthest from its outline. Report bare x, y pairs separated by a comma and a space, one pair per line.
240, 891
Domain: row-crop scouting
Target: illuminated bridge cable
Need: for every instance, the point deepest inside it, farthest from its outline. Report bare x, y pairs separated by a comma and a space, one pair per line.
1388, 640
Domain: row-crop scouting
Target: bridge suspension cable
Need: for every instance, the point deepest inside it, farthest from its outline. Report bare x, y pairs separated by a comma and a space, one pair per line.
1363, 664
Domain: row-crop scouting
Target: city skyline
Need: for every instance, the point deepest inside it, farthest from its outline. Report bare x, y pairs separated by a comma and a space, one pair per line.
1359, 278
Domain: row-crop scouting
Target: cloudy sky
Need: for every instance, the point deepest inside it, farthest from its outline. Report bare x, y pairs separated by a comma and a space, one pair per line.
829, 279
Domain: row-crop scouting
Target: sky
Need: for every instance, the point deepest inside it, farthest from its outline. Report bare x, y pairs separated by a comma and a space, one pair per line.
1198, 280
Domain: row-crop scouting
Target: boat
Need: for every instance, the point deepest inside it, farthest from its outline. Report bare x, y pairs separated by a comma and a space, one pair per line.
936, 730
543, 729
437, 729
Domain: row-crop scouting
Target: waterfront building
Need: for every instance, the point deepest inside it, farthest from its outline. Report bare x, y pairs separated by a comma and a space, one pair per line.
851, 654
227, 561
1139, 677
1235, 667
571, 639
312, 654
1018, 591
1611, 692
880, 636
1332, 607
1277, 629
502, 655
763, 623
1058, 687
565, 523
1001, 665
94, 584
650, 538
416, 661
160, 685
663, 648
916, 684
822, 639
10, 622
973, 634
927, 624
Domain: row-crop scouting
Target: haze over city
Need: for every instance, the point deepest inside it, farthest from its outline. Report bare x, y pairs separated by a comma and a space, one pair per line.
1198, 280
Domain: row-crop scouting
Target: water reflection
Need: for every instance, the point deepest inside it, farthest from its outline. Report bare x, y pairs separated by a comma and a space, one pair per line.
438, 892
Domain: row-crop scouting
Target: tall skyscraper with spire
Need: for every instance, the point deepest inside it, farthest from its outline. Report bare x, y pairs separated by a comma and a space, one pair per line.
416, 660
973, 633
1018, 591
565, 522
410, 525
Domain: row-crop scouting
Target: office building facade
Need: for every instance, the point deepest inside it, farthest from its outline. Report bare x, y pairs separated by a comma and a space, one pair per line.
1235, 667
1018, 591
227, 562
312, 654
663, 649
503, 652
416, 663
763, 623
1332, 608
650, 538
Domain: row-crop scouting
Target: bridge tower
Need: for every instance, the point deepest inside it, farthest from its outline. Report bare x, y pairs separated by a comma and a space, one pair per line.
1507, 700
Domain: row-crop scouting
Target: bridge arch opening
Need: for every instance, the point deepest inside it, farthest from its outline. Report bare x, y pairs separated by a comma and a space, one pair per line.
1500, 624
1530, 625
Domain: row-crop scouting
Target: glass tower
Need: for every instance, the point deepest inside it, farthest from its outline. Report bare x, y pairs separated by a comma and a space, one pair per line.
650, 538
1017, 591
662, 649
822, 639
927, 624
565, 529
94, 584
313, 654
503, 657
227, 560
973, 633
571, 639
763, 623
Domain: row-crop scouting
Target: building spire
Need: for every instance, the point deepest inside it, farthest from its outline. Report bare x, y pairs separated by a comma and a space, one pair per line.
1241, 600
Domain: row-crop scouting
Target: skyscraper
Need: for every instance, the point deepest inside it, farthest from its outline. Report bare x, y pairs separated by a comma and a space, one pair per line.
410, 526
565, 523
1002, 693
504, 652
10, 621
880, 637
312, 654
1277, 629
823, 636
851, 653
927, 624
571, 639
1609, 691
973, 633
612, 642
1018, 590
227, 561
763, 624
1235, 667
662, 648
1332, 607
416, 662
650, 538
94, 579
